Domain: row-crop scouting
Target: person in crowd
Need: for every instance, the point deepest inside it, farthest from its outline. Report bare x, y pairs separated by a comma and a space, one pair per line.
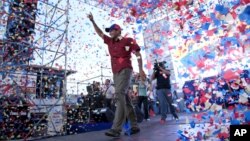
142, 97
135, 90
97, 87
120, 50
109, 92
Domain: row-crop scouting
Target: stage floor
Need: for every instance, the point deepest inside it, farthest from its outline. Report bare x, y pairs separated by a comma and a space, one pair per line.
151, 130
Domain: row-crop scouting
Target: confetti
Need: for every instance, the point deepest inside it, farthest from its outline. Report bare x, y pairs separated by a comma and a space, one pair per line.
204, 39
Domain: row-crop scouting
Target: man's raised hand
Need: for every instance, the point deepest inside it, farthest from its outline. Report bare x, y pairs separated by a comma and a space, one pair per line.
90, 16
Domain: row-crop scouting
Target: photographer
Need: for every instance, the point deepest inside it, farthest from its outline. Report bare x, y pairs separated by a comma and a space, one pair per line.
163, 90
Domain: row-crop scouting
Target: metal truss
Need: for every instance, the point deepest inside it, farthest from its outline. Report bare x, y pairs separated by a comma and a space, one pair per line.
97, 4
86, 81
38, 54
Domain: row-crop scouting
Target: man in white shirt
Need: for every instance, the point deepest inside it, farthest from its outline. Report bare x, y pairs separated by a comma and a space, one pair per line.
109, 92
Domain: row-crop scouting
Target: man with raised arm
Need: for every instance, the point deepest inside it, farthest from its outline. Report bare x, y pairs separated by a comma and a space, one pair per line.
120, 49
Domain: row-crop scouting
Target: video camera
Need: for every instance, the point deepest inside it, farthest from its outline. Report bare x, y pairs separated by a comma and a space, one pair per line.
159, 64
90, 89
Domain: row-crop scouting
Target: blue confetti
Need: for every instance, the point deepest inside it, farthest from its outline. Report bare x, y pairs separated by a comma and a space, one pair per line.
188, 111
179, 132
183, 138
245, 15
205, 26
138, 21
235, 122
234, 3
210, 55
215, 20
199, 32
216, 132
247, 116
192, 124
233, 40
221, 9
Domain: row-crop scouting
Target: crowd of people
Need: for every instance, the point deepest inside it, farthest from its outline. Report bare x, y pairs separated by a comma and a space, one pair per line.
142, 93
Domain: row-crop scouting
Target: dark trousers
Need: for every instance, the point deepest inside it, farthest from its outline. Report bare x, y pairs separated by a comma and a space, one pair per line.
152, 106
108, 103
144, 100
165, 98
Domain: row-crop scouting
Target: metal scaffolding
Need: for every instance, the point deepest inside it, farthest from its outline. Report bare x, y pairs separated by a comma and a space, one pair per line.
41, 54
86, 81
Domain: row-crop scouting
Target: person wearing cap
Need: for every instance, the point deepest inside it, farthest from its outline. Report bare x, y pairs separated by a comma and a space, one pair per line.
120, 49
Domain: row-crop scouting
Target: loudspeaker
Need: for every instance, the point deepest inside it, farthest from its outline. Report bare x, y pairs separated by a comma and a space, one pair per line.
89, 89
103, 115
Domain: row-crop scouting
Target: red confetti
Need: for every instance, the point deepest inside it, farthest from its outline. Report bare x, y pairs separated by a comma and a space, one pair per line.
149, 65
210, 32
205, 19
230, 108
236, 115
211, 121
230, 75
242, 28
133, 12
187, 90
245, 1
158, 51
223, 135
234, 15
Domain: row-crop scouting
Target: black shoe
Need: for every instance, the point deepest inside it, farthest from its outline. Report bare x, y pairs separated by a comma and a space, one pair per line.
112, 133
133, 130
175, 116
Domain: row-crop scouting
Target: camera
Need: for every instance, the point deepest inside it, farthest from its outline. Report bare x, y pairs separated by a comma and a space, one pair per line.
159, 64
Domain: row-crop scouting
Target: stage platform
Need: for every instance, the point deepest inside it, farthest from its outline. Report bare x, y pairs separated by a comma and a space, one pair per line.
151, 130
